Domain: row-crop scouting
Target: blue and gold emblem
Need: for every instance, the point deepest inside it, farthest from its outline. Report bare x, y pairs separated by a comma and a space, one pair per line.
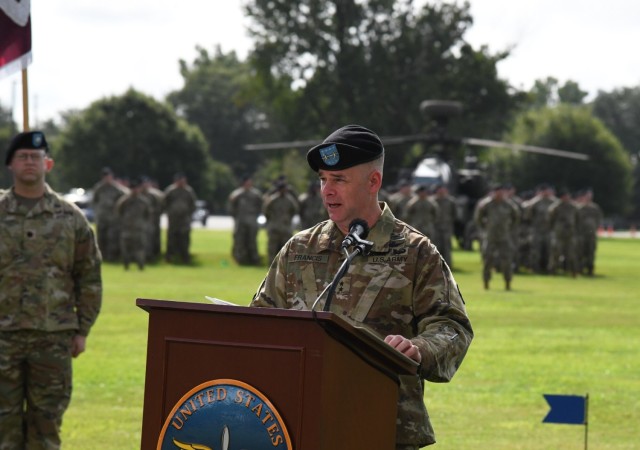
330, 155
36, 139
224, 414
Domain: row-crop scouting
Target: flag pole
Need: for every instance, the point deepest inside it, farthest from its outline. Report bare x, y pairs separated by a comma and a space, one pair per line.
586, 421
25, 100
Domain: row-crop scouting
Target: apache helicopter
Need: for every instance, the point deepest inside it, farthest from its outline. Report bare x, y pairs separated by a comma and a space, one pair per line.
468, 184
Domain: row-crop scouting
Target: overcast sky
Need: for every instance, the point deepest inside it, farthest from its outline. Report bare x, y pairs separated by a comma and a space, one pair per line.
84, 50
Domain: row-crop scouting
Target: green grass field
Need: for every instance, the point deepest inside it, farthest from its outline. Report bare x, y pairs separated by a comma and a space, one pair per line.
549, 335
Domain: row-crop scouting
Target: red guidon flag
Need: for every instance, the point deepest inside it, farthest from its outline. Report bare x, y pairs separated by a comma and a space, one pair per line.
15, 35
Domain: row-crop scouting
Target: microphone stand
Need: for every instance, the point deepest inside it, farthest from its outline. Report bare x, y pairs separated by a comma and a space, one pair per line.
361, 247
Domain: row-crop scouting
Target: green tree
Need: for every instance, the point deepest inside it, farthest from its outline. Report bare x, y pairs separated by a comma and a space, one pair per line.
373, 62
215, 96
608, 171
136, 135
620, 112
549, 92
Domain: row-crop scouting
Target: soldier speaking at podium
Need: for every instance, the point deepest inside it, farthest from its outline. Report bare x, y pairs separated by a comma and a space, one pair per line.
402, 290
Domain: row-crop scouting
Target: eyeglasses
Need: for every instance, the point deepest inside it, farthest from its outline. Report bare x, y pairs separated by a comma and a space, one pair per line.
35, 157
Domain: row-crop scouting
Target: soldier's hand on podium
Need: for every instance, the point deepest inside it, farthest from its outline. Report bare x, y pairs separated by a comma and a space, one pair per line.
404, 346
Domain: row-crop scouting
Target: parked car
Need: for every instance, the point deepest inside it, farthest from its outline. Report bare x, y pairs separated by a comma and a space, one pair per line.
82, 198
201, 213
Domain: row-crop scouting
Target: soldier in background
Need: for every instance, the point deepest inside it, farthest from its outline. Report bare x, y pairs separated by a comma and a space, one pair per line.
399, 199
516, 231
155, 197
179, 203
105, 195
312, 211
134, 212
496, 217
279, 209
50, 297
245, 205
445, 221
421, 212
589, 220
563, 220
536, 215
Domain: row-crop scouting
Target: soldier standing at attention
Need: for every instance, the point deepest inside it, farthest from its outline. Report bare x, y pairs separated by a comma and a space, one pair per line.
444, 222
311, 208
402, 292
421, 212
279, 209
589, 220
245, 206
536, 215
496, 217
134, 214
155, 197
105, 195
50, 296
399, 199
179, 204
563, 220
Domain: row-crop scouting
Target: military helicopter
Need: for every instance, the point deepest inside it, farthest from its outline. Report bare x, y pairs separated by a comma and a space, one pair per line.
468, 184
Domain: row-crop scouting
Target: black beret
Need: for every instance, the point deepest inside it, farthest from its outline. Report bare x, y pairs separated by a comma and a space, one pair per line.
346, 147
31, 140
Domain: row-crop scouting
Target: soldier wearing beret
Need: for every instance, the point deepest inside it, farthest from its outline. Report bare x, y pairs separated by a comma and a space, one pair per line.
50, 296
403, 290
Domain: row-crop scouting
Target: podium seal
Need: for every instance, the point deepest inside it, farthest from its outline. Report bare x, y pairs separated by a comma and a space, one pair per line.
224, 414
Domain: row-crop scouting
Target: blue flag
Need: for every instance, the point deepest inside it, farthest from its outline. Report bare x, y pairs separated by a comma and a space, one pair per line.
569, 409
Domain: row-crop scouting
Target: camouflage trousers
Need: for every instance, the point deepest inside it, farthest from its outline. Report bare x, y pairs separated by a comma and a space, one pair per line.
35, 388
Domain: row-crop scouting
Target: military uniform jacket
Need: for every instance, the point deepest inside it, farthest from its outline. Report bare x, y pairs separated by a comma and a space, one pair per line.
49, 266
402, 287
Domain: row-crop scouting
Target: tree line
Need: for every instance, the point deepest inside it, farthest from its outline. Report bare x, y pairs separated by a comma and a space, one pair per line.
319, 64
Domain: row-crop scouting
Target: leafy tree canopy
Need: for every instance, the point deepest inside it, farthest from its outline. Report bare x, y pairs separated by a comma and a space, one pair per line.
216, 97
608, 172
136, 136
373, 62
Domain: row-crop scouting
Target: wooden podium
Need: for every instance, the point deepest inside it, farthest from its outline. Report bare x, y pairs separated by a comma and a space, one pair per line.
334, 385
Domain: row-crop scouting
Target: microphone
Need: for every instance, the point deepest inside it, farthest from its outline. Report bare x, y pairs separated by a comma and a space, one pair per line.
358, 230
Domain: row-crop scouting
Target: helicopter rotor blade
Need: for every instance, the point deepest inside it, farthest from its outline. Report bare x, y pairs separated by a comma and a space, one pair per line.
283, 145
386, 140
526, 148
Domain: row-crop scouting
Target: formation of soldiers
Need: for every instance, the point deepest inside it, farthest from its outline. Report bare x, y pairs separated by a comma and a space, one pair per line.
279, 205
128, 213
431, 210
545, 234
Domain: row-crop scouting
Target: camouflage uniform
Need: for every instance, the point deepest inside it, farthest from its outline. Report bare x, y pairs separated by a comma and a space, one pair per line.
105, 196
134, 213
245, 205
589, 220
421, 213
563, 220
444, 226
154, 197
536, 215
403, 287
398, 202
50, 290
312, 209
495, 219
279, 209
179, 204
